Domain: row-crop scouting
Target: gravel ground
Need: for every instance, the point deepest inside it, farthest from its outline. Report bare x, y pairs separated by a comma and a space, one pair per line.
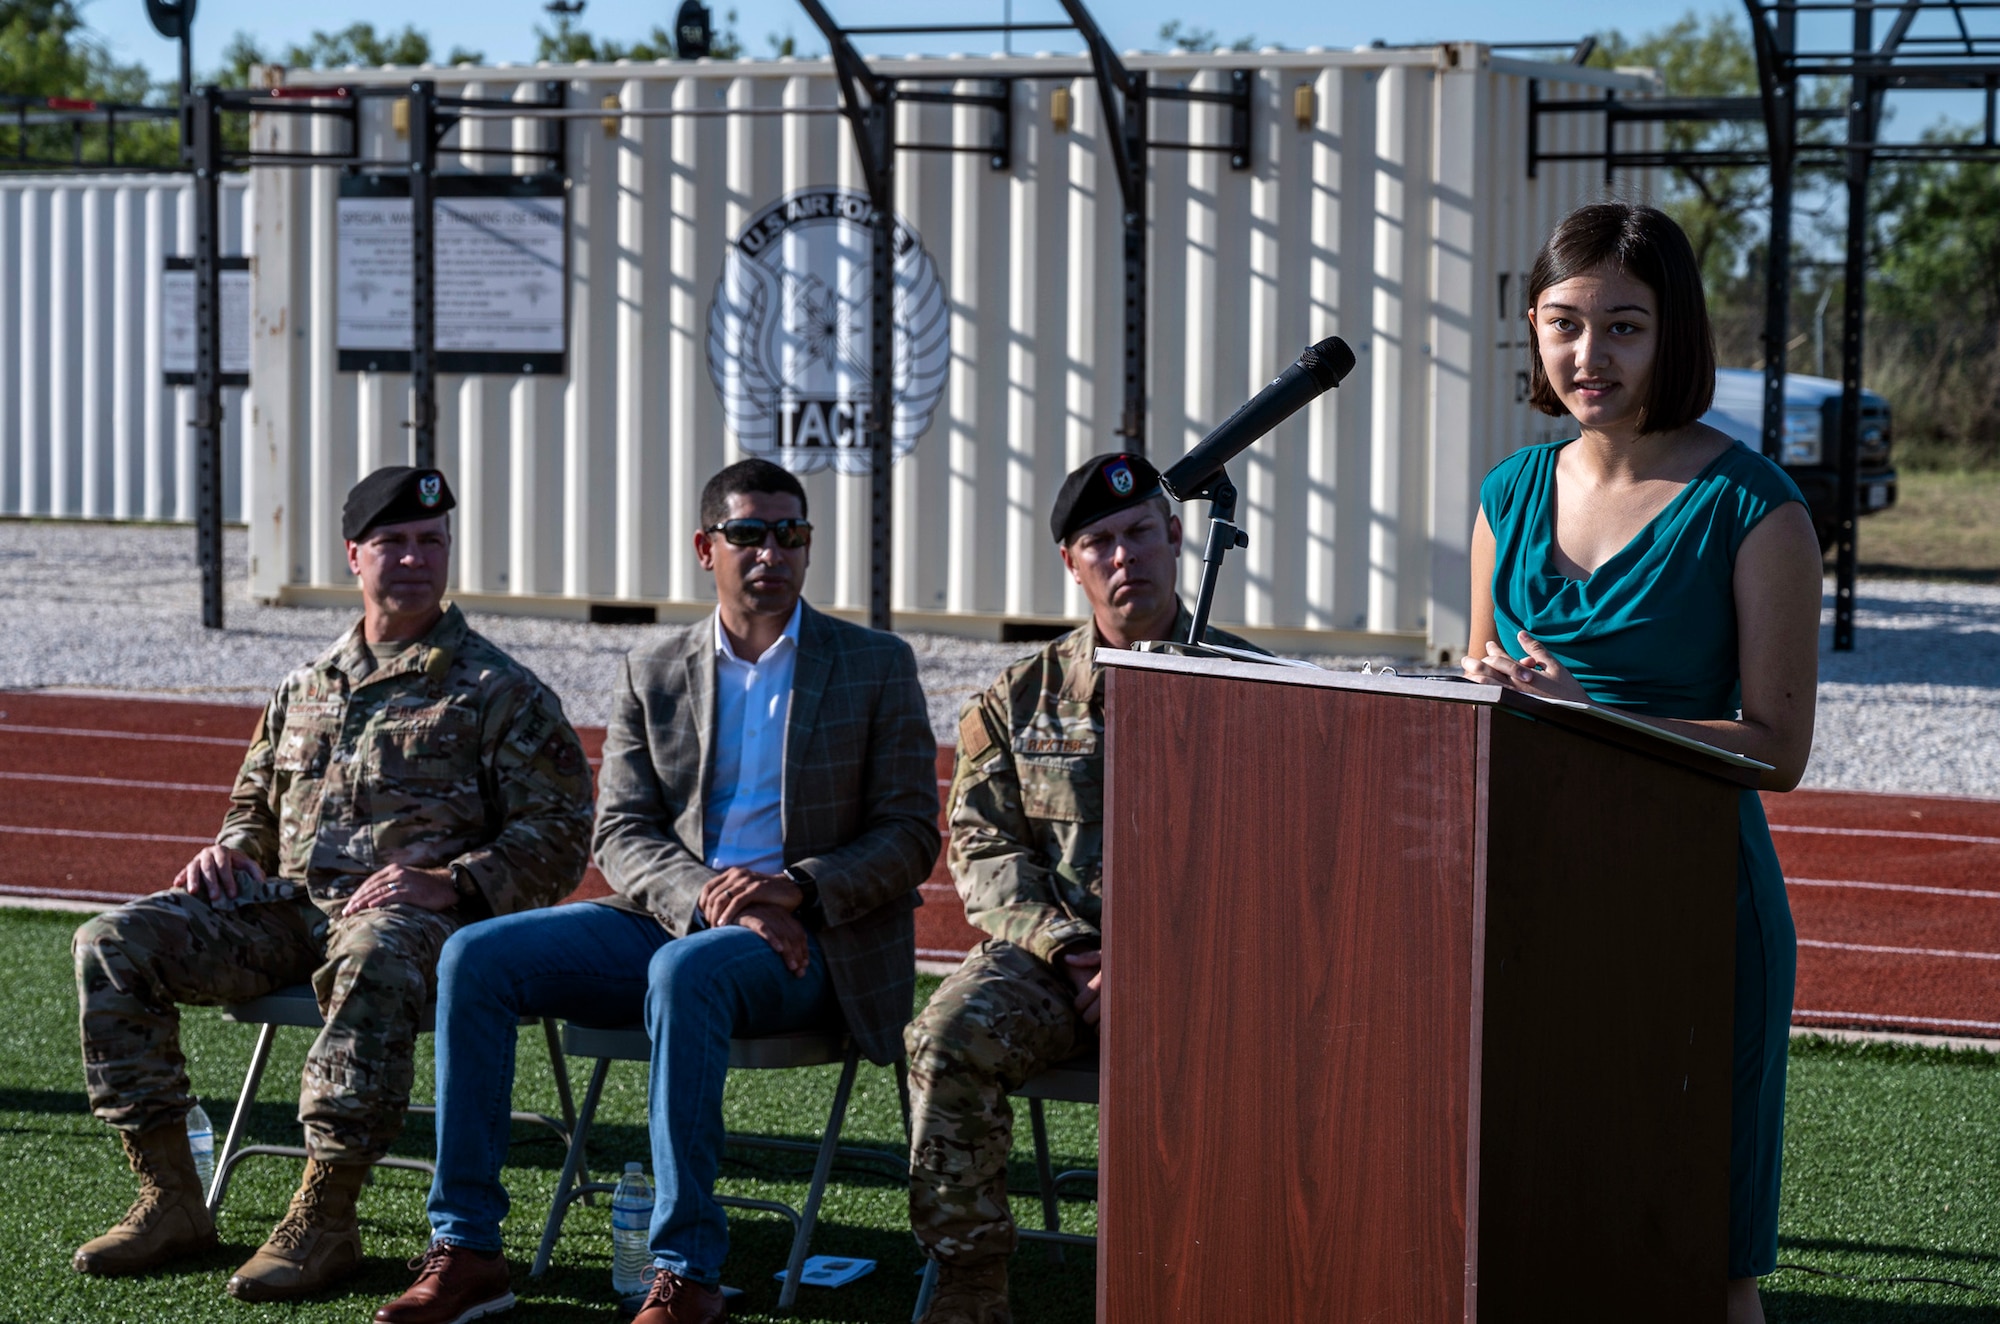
1915, 708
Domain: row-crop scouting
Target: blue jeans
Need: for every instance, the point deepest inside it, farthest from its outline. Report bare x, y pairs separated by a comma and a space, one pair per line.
606, 967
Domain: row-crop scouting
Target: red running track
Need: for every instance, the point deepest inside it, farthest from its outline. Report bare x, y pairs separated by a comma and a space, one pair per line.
104, 799
1897, 898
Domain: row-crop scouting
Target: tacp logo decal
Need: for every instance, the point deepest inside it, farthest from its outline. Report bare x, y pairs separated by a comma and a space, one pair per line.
429, 488
1119, 475
788, 332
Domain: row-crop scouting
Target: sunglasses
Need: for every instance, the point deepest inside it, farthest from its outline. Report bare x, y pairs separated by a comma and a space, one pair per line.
790, 533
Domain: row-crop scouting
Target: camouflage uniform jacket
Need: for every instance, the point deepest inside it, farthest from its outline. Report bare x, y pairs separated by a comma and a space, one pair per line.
1027, 796
452, 754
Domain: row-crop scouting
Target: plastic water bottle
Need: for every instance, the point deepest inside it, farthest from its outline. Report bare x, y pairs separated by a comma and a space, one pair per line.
631, 1221
201, 1141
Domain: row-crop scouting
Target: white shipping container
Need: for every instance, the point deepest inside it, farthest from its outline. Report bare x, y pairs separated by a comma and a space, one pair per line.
87, 429
1395, 211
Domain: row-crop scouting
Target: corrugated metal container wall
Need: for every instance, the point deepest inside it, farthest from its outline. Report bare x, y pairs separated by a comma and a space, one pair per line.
86, 427
1399, 214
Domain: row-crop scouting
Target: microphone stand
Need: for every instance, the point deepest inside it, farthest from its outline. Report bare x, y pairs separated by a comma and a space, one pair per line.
1223, 534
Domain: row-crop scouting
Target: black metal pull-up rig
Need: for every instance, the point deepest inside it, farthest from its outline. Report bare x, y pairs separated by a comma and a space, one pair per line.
868, 100
432, 116
204, 150
1874, 47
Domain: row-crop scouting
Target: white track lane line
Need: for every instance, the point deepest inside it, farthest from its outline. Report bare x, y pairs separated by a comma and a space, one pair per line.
66, 780
9, 728
1881, 1019
1892, 887
1873, 832
68, 894
104, 836
1898, 951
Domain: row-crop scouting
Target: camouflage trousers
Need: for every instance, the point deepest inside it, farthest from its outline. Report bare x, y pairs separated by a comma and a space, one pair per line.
1000, 1018
373, 974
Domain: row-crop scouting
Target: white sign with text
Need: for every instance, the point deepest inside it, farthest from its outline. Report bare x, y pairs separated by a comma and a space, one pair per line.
499, 265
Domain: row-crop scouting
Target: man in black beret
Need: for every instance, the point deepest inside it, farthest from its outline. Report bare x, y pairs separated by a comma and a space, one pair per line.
411, 780
1026, 853
395, 494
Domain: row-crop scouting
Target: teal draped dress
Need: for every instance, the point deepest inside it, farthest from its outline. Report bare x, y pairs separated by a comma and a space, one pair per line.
1653, 630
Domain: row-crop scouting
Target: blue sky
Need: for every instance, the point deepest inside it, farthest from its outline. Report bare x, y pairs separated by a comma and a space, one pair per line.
503, 29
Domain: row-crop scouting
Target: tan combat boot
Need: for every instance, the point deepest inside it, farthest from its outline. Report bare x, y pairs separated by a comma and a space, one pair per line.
167, 1221
970, 1294
316, 1243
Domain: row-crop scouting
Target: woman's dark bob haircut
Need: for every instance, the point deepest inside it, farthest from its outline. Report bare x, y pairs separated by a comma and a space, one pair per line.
1646, 245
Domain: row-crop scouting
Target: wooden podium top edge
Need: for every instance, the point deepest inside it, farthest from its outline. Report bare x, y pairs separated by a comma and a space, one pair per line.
1608, 723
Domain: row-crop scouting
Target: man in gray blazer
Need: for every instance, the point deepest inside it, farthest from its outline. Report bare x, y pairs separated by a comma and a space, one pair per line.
767, 810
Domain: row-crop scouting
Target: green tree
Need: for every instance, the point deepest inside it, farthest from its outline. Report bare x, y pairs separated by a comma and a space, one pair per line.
1722, 208
1937, 240
357, 44
1178, 36
46, 51
239, 57
1933, 334
360, 43
568, 43
43, 49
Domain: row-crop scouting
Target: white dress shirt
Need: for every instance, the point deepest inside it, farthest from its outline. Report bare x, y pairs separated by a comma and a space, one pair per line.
743, 816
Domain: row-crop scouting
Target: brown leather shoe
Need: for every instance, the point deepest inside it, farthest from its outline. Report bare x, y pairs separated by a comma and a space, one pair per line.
169, 1219
970, 1294
453, 1285
677, 1300
315, 1245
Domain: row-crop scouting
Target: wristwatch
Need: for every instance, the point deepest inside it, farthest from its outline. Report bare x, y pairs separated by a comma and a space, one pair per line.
809, 911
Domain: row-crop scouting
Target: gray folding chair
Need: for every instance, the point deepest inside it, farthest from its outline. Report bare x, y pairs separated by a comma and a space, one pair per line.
770, 1053
1074, 1081
296, 1006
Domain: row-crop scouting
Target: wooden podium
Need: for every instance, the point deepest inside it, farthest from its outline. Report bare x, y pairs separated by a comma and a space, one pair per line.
1418, 1003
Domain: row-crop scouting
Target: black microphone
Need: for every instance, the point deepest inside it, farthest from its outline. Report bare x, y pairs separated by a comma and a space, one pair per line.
1318, 371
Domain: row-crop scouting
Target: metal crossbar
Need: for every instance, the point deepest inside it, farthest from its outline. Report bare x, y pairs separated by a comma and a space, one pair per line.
953, 29
642, 113
81, 116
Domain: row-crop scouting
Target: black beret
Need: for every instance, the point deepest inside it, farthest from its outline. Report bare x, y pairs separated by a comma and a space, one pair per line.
1104, 485
396, 494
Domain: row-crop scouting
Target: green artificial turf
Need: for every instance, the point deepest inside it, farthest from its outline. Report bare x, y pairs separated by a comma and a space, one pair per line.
1892, 1171
63, 1179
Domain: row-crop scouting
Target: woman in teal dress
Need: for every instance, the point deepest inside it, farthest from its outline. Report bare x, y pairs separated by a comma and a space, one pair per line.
1654, 565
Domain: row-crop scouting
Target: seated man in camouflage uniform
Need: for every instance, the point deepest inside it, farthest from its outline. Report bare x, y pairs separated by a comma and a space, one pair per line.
1026, 853
411, 780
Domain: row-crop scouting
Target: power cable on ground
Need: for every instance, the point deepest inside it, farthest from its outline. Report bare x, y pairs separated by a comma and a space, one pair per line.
1861, 1278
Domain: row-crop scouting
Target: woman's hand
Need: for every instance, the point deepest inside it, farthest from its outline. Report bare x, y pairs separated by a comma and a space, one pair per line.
1539, 674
